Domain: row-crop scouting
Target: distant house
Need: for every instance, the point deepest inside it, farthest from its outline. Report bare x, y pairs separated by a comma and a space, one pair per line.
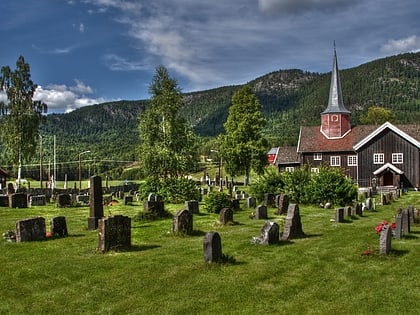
272, 156
386, 155
3, 178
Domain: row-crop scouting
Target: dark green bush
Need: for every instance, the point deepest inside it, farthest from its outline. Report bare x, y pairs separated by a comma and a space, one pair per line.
174, 190
270, 182
216, 201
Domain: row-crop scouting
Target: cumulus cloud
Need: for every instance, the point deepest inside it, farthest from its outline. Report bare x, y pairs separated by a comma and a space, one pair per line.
396, 46
63, 98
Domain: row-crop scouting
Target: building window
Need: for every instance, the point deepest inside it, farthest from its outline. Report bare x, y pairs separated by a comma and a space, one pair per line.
378, 158
335, 161
317, 156
290, 168
352, 160
314, 170
397, 158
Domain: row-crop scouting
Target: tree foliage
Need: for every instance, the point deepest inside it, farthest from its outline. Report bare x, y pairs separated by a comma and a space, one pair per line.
167, 146
21, 116
243, 147
377, 115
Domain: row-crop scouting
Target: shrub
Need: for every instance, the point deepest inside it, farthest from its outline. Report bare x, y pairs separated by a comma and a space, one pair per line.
216, 201
172, 189
270, 182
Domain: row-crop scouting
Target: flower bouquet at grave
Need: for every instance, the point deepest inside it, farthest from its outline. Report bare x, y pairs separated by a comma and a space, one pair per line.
385, 225
10, 236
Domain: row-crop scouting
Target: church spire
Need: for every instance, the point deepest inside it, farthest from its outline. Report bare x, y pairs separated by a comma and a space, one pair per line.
335, 119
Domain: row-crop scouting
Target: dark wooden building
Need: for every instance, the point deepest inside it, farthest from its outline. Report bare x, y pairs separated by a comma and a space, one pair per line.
386, 155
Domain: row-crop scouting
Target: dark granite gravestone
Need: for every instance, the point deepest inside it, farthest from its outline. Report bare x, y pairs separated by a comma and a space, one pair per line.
405, 222
18, 200
63, 200
270, 233
234, 204
212, 246
30, 230
192, 206
385, 241
226, 215
339, 215
4, 201
398, 226
39, 200
261, 212
283, 204
114, 233
82, 199
155, 207
58, 226
128, 200
293, 224
96, 207
182, 222
269, 200
251, 202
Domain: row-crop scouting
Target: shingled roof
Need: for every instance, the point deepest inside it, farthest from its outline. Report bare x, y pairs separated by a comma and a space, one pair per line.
287, 155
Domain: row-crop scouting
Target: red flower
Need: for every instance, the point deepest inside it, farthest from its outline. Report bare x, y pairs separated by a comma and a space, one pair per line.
378, 228
393, 225
48, 234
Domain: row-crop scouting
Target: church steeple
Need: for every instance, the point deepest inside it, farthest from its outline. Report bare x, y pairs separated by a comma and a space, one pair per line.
336, 117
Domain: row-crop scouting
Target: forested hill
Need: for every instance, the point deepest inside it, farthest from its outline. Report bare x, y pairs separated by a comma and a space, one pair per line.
290, 98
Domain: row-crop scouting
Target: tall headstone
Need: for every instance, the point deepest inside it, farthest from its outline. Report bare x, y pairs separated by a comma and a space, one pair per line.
261, 212
212, 246
405, 222
225, 216
293, 224
385, 241
114, 233
270, 233
58, 226
251, 202
30, 230
283, 204
339, 215
182, 222
192, 206
398, 226
95, 202
269, 200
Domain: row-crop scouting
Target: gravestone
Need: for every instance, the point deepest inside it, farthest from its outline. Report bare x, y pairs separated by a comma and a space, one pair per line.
251, 202
4, 201
212, 246
151, 197
63, 200
39, 200
96, 207
155, 207
226, 215
339, 215
283, 204
405, 222
128, 199
18, 200
398, 226
58, 226
270, 233
30, 230
269, 200
261, 212
192, 206
369, 204
293, 224
385, 241
357, 209
83, 199
234, 204
411, 214
182, 222
347, 211
114, 233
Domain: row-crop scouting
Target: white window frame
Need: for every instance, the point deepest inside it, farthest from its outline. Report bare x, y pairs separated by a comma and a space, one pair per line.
317, 156
315, 170
335, 160
378, 158
289, 169
397, 158
352, 160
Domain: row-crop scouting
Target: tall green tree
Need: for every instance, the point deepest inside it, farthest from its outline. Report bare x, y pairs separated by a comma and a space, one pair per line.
377, 115
21, 116
167, 145
243, 147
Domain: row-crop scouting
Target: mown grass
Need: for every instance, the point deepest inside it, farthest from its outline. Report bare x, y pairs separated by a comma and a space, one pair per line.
321, 273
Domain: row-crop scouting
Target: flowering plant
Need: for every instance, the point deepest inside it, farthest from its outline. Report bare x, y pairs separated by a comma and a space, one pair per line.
384, 225
10, 236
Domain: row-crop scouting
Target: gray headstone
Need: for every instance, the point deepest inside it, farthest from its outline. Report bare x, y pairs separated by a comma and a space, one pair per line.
30, 230
18, 200
156, 207
192, 206
385, 241
96, 206
226, 215
114, 233
261, 212
251, 202
398, 226
270, 233
339, 215
182, 222
405, 222
293, 224
212, 247
369, 204
283, 204
39, 200
58, 226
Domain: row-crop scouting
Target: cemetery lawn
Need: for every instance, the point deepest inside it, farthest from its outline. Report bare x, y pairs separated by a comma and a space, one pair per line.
325, 272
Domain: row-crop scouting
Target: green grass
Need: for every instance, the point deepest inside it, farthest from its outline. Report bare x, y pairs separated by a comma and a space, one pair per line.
322, 273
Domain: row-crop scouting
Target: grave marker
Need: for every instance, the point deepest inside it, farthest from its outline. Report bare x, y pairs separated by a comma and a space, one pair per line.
385, 241
261, 212
114, 233
96, 208
30, 230
226, 215
182, 222
293, 224
212, 246
58, 226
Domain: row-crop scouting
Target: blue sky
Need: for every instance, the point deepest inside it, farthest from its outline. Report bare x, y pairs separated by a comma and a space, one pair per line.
84, 52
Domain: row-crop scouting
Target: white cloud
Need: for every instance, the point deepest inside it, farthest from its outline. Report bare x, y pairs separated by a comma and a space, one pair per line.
396, 46
302, 6
117, 63
81, 28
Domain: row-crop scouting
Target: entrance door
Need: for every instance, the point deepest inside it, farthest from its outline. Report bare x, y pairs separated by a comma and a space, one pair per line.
388, 179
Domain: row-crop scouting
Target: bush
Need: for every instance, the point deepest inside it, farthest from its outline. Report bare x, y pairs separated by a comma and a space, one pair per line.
174, 190
270, 182
216, 201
